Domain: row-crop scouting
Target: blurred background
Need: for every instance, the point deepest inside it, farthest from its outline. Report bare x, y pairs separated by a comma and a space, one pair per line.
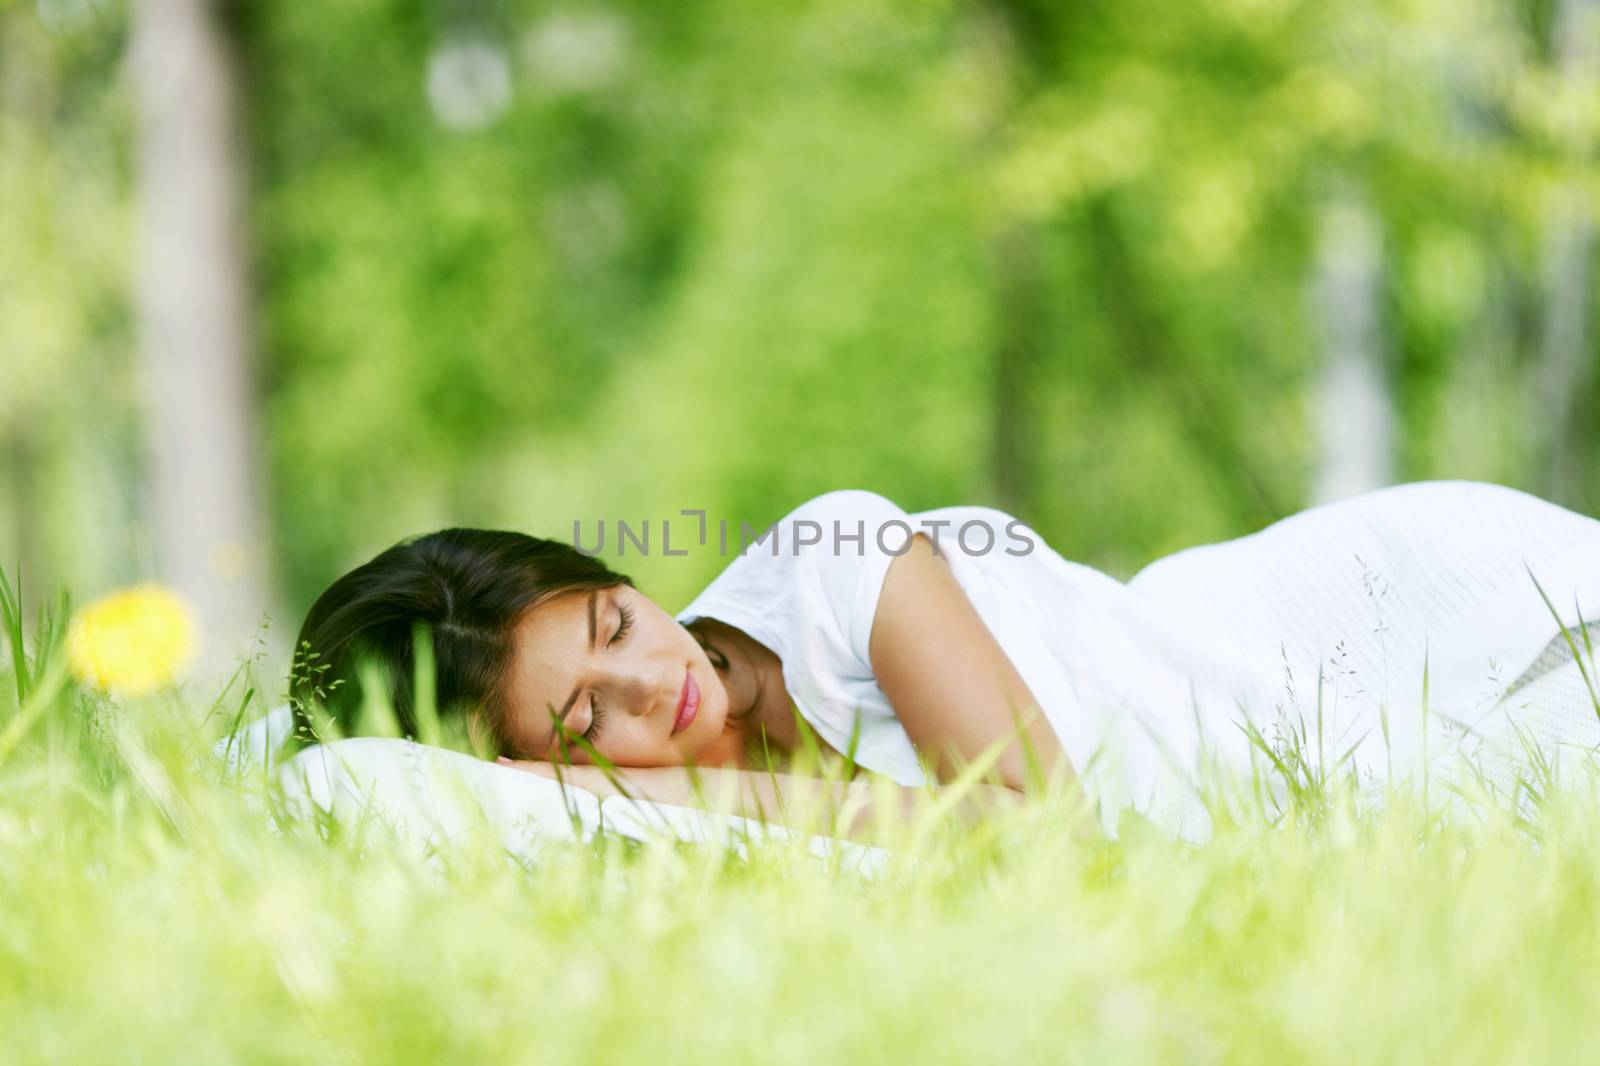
281, 283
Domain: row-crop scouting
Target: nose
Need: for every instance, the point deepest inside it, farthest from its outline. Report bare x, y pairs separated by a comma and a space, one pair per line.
644, 687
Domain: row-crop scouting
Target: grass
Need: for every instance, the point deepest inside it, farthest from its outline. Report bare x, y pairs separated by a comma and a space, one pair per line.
149, 912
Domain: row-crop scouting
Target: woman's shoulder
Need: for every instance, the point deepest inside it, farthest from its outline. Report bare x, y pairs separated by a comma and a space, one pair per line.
818, 564
839, 523
847, 505
890, 525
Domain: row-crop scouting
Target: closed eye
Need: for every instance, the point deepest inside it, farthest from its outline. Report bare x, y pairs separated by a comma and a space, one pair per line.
622, 629
596, 712
595, 717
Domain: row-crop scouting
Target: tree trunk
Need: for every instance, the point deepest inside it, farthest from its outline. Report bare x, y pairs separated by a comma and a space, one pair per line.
1560, 440
195, 335
1016, 353
1354, 415
1013, 251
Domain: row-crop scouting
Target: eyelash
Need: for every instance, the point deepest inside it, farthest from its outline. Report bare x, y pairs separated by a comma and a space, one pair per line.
597, 714
627, 620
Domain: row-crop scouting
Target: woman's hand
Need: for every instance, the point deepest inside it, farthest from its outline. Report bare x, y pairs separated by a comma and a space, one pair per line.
847, 808
589, 778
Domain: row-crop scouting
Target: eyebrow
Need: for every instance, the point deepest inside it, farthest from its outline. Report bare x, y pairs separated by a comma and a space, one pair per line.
566, 708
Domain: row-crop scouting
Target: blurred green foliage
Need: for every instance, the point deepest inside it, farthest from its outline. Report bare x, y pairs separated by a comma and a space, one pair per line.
524, 264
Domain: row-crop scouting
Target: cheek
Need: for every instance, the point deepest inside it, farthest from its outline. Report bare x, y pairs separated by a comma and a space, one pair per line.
632, 745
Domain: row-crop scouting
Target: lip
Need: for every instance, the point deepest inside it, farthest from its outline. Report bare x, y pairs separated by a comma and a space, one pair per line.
688, 703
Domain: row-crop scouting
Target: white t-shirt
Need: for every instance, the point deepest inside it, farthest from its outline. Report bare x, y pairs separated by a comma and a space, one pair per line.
809, 589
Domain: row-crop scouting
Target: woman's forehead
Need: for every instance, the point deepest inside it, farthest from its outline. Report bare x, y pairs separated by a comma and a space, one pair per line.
546, 642
559, 613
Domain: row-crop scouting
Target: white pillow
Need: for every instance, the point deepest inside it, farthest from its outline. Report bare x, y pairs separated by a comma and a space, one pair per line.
434, 794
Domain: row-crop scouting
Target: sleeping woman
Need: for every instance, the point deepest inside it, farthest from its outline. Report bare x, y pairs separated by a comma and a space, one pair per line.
912, 643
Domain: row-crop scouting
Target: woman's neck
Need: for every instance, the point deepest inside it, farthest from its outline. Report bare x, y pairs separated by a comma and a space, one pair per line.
758, 700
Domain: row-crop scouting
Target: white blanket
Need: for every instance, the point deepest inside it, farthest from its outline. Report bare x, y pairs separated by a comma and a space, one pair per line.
1364, 590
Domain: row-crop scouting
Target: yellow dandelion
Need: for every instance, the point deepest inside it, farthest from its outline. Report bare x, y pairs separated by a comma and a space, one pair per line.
132, 642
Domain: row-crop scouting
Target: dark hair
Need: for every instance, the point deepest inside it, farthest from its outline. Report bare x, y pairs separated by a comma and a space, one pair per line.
469, 586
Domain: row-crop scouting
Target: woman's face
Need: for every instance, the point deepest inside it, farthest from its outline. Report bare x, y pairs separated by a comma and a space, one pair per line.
616, 669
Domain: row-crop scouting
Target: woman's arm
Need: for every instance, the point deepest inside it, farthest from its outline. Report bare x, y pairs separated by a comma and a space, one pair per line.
799, 801
952, 686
